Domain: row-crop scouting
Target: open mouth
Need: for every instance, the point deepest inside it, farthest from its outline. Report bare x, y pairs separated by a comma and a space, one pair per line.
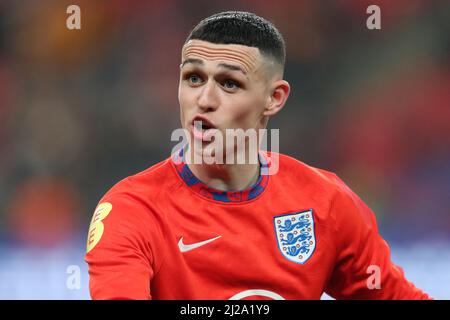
202, 123
202, 128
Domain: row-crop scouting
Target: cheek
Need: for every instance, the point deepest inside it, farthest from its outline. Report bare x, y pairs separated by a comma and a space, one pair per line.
181, 95
248, 109
184, 103
185, 99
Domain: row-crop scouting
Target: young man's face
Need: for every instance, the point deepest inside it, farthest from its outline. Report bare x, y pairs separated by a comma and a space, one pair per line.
226, 86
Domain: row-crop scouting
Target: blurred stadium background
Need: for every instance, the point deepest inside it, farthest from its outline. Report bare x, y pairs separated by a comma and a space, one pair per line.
80, 110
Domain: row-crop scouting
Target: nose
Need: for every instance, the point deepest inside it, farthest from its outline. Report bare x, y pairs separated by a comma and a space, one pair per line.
208, 99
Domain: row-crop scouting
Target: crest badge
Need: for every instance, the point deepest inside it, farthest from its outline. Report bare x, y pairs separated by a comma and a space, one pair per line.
295, 235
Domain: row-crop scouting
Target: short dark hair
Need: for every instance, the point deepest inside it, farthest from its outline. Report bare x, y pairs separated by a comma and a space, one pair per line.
244, 28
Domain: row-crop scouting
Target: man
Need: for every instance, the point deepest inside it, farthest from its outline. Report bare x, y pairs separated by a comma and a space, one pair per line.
186, 229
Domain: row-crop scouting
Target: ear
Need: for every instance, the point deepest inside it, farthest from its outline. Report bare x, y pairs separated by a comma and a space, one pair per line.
279, 93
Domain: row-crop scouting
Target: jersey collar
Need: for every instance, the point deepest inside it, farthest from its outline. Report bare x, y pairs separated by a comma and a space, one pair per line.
219, 195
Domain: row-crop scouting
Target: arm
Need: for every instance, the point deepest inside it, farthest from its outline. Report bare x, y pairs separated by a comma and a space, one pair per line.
363, 255
119, 255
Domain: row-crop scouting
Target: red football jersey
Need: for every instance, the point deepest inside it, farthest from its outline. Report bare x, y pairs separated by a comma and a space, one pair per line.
163, 234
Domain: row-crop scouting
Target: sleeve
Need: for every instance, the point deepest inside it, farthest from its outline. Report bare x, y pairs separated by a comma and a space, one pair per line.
119, 250
363, 269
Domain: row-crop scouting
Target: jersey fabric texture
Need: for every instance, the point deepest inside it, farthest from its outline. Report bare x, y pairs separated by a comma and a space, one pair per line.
163, 234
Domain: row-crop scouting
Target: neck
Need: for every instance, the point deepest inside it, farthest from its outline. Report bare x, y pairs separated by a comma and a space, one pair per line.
226, 177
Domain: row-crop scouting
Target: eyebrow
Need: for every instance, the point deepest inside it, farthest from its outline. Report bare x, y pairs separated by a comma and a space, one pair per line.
221, 65
193, 61
232, 67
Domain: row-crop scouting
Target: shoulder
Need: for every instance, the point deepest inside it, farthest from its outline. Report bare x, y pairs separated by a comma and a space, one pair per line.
321, 180
344, 203
129, 212
323, 185
137, 196
145, 184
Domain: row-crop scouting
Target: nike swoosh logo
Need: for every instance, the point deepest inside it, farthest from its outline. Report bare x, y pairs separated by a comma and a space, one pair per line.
188, 247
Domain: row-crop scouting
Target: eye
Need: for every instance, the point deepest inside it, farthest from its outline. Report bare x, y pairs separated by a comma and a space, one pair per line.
231, 85
194, 79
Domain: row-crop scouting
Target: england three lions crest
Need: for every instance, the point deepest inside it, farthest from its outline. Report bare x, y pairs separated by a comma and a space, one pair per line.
295, 235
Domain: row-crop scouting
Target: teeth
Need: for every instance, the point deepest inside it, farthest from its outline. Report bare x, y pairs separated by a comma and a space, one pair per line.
201, 125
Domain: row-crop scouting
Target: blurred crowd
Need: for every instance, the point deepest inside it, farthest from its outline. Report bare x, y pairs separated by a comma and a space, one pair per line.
82, 109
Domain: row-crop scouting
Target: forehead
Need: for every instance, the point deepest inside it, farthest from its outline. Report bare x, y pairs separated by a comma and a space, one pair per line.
248, 58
